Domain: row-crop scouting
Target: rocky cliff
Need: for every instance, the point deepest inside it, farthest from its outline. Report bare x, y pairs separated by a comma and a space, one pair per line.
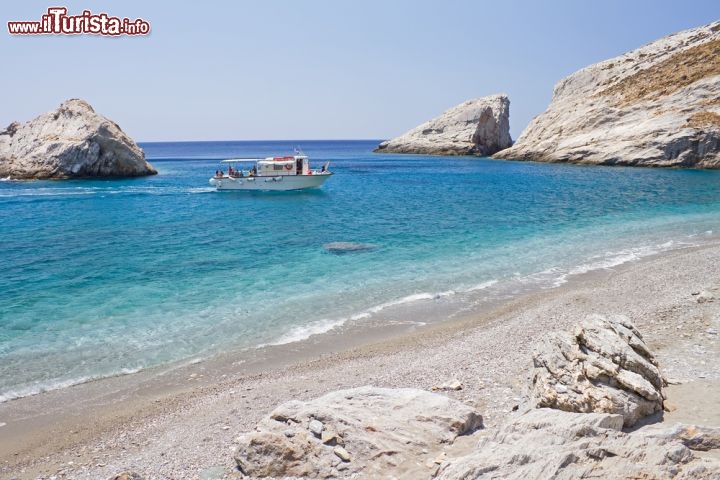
655, 106
70, 142
476, 127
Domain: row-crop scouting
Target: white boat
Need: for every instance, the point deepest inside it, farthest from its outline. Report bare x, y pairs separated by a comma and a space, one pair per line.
272, 173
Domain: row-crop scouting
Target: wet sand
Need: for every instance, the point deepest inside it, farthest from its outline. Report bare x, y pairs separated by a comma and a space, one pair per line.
180, 422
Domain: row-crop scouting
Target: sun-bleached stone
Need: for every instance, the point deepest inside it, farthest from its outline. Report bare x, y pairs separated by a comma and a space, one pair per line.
377, 430
547, 443
70, 142
658, 106
602, 366
476, 127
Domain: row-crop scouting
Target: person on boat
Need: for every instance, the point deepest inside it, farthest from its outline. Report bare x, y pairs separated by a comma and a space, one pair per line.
230, 171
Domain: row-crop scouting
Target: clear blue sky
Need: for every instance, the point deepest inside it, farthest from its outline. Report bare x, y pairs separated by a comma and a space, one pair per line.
291, 69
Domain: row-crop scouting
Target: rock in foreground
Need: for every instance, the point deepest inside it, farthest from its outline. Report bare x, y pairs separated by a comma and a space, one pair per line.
603, 366
476, 127
655, 106
368, 431
546, 443
70, 142
405, 433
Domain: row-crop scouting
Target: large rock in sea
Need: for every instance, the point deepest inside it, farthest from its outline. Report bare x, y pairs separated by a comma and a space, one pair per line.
476, 127
70, 142
366, 431
603, 366
656, 106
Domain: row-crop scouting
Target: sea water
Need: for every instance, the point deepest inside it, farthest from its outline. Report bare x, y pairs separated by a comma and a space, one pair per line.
105, 277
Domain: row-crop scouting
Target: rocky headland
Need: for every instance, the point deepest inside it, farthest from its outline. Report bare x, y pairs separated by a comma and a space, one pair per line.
656, 106
72, 141
476, 127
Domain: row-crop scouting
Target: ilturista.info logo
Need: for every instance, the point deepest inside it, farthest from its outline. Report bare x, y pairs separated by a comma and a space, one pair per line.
57, 22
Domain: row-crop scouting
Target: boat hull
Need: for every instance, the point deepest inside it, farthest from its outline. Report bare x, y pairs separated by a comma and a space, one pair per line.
278, 183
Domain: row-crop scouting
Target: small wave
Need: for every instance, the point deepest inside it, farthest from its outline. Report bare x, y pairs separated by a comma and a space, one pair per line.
58, 384
303, 332
614, 259
179, 364
480, 286
6, 179
557, 276
416, 297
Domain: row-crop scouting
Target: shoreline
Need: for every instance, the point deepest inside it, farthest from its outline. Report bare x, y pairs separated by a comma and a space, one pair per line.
403, 314
213, 400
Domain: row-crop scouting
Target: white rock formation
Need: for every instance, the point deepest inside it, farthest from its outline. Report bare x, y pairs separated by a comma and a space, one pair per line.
407, 434
603, 366
72, 141
546, 443
377, 430
656, 106
476, 127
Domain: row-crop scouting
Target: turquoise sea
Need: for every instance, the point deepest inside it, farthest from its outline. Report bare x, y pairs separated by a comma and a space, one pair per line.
105, 277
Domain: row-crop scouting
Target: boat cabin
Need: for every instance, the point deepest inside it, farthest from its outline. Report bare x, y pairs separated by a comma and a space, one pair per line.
290, 165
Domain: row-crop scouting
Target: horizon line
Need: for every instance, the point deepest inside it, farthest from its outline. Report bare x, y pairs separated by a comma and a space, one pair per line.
270, 140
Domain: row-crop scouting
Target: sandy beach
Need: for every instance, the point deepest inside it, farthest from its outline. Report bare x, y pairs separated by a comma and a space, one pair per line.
180, 422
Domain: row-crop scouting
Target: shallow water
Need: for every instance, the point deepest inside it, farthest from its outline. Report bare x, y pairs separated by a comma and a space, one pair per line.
108, 277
